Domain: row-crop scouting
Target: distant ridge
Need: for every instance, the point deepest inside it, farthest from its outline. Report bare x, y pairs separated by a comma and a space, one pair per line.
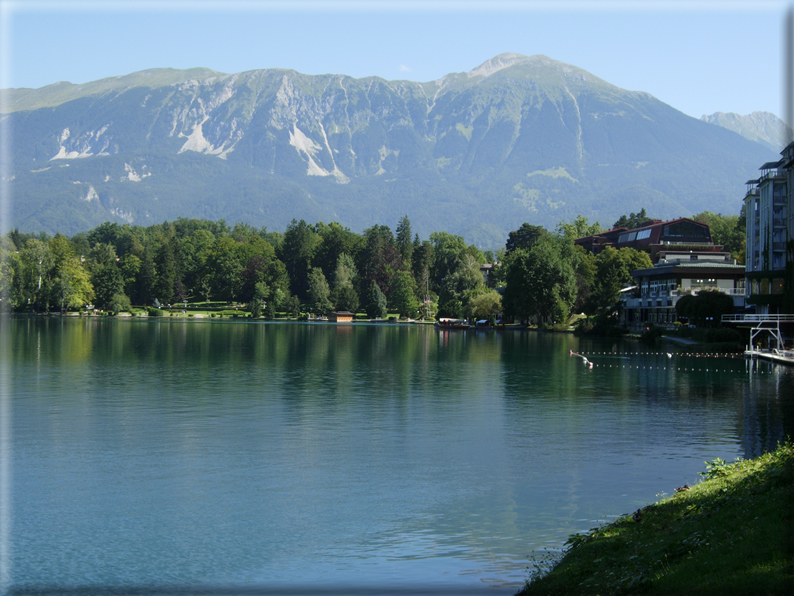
477, 153
762, 127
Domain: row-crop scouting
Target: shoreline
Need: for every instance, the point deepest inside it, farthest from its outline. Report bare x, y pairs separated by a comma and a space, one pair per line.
729, 533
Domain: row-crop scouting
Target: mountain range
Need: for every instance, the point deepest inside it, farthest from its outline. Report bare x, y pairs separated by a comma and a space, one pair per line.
762, 127
517, 139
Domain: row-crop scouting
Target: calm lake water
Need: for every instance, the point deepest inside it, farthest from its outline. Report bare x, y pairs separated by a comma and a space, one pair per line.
157, 455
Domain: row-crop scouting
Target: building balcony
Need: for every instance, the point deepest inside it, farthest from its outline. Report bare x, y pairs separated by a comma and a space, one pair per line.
772, 174
696, 291
669, 299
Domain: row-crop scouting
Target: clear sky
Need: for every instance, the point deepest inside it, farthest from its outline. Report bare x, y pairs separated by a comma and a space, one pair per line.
700, 56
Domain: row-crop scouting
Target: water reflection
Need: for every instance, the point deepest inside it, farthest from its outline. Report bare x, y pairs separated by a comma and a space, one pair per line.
181, 452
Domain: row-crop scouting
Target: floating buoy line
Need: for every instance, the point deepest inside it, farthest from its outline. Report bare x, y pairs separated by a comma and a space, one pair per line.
704, 367
694, 354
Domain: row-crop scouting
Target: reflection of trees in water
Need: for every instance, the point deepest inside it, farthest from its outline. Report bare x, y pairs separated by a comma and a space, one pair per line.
319, 369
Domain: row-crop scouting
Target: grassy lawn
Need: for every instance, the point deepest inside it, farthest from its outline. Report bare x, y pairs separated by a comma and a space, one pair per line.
732, 533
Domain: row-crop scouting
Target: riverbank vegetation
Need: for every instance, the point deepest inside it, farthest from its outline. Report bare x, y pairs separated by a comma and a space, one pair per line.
732, 533
316, 268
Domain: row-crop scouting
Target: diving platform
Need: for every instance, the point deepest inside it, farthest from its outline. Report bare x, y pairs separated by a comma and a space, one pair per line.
764, 324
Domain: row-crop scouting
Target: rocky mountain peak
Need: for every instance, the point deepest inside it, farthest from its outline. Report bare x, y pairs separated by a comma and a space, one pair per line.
497, 63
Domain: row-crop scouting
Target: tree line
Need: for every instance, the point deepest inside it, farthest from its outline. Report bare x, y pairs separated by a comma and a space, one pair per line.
315, 268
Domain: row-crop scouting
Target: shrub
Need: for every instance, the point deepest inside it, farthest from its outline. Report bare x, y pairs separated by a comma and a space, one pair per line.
120, 303
584, 326
651, 334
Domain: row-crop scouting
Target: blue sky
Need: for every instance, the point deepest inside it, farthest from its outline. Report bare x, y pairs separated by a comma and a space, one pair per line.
699, 56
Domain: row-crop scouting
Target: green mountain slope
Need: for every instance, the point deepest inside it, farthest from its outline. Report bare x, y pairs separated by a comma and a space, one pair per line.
516, 139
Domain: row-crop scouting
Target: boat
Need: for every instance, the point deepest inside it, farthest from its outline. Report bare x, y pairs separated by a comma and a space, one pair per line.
452, 324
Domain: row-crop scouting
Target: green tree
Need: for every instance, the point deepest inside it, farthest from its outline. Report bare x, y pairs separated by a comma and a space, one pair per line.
34, 278
451, 309
404, 243
586, 271
344, 295
144, 287
107, 281
129, 266
167, 274
376, 302
462, 281
260, 296
448, 252
297, 251
334, 240
319, 292
613, 272
726, 230
72, 285
345, 299
486, 305
9, 263
705, 309
541, 279
422, 261
120, 303
524, 237
194, 250
261, 266
225, 269
403, 297
578, 228
633, 221
379, 259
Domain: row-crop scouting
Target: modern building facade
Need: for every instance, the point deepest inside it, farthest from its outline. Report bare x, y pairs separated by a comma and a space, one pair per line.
678, 274
770, 236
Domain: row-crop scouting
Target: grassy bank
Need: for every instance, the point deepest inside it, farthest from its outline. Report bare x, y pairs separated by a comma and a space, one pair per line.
732, 533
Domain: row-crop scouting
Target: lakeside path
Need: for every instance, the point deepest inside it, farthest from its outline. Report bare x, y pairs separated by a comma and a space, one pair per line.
680, 340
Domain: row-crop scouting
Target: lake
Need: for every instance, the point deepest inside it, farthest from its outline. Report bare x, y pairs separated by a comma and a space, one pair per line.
178, 455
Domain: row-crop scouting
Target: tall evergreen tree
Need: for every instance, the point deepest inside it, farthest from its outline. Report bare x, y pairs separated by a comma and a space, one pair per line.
147, 279
297, 251
404, 243
376, 302
166, 278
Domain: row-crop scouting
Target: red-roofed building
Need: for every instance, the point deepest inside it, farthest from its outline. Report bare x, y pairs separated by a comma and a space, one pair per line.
681, 234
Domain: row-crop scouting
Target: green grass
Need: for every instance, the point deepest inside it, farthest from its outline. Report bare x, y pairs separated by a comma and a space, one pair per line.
733, 533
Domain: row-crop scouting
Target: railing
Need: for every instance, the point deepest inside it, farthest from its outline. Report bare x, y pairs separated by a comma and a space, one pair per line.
772, 174
694, 292
756, 318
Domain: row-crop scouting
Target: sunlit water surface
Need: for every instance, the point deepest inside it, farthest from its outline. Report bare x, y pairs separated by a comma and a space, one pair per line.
159, 454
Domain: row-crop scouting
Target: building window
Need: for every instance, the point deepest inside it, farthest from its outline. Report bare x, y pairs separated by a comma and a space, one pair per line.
764, 289
704, 284
686, 229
